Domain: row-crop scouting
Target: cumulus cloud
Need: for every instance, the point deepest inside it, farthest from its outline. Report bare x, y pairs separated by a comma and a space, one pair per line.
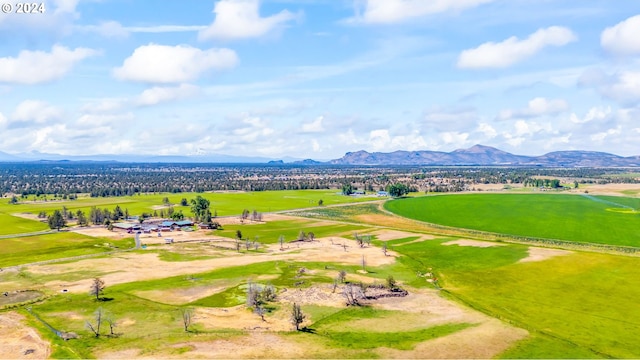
34, 67
240, 19
173, 64
487, 130
157, 95
623, 87
513, 50
34, 111
396, 11
536, 107
594, 114
622, 38
313, 127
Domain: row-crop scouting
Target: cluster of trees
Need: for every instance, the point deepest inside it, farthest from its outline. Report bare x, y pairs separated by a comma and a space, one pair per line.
548, 183
65, 181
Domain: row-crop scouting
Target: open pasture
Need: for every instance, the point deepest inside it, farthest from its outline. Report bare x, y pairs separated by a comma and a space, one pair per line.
591, 219
24, 250
579, 303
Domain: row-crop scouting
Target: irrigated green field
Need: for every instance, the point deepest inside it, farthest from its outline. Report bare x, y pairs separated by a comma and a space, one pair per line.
593, 219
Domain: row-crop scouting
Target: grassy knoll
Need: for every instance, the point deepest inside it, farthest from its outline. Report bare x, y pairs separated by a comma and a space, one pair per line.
269, 233
583, 301
16, 251
565, 217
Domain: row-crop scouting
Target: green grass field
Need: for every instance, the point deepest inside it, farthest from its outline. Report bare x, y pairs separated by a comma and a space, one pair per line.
24, 250
16, 225
553, 216
583, 301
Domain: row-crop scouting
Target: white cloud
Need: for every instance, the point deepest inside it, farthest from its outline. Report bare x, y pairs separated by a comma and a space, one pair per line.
112, 121
114, 29
34, 67
601, 136
108, 29
3, 121
313, 127
487, 130
624, 87
622, 38
158, 94
514, 50
536, 107
173, 64
523, 127
103, 106
595, 113
395, 11
34, 111
454, 138
240, 19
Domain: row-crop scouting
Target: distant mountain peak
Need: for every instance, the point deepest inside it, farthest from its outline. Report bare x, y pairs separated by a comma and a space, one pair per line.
480, 149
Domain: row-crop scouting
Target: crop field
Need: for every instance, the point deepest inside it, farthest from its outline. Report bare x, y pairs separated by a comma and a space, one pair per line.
594, 219
467, 298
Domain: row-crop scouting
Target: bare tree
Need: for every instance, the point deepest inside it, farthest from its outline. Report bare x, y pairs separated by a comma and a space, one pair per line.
297, 317
95, 328
111, 321
384, 248
352, 294
260, 311
253, 295
187, 315
97, 287
311, 236
281, 241
364, 264
342, 275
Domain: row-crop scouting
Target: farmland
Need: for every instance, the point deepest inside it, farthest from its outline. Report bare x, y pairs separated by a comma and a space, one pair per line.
467, 297
595, 219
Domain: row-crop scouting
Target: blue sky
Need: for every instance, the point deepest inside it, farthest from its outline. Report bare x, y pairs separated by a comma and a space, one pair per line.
318, 78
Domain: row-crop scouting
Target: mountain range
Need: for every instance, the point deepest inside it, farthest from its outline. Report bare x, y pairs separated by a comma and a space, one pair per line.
488, 156
477, 155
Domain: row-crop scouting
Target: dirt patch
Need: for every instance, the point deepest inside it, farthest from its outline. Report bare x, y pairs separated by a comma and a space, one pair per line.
179, 296
540, 254
315, 295
19, 340
102, 233
484, 341
473, 243
29, 216
18, 296
241, 318
608, 189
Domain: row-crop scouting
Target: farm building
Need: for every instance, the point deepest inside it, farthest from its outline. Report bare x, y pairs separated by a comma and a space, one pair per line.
125, 226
